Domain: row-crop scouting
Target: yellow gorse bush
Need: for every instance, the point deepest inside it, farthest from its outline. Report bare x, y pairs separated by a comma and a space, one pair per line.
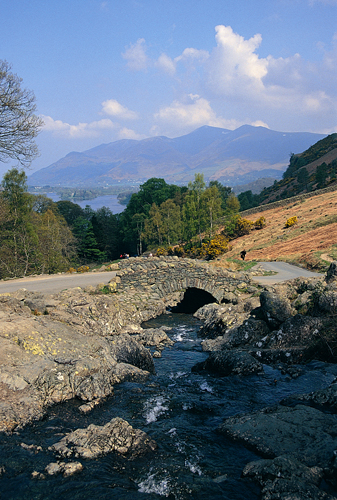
291, 221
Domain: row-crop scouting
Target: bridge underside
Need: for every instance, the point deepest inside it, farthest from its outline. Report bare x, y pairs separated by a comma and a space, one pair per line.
193, 299
191, 283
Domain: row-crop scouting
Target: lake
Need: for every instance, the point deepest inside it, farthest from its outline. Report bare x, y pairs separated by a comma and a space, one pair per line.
109, 201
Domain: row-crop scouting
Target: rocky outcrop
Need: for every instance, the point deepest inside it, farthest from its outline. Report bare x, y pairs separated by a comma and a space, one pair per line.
230, 363
116, 436
69, 345
284, 478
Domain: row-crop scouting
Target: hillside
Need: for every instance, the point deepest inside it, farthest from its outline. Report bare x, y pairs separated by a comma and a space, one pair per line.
313, 169
311, 242
231, 157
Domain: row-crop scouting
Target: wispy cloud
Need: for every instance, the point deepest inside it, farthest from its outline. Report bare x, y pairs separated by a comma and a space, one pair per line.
81, 130
135, 55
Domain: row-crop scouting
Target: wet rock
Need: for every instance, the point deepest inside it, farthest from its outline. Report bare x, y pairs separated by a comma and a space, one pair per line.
219, 318
327, 301
153, 337
94, 441
126, 350
31, 447
331, 274
89, 406
230, 363
300, 432
324, 398
65, 468
275, 309
283, 478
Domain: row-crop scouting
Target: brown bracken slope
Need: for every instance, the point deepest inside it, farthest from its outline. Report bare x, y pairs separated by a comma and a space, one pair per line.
312, 241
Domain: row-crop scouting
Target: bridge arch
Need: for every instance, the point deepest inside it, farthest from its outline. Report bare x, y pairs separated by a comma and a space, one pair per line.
164, 276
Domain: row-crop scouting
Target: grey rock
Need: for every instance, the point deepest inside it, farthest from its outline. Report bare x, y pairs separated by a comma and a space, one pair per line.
283, 478
67, 469
94, 441
331, 274
126, 350
230, 363
301, 432
275, 309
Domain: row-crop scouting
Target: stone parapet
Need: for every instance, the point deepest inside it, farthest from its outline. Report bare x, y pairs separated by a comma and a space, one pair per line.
166, 275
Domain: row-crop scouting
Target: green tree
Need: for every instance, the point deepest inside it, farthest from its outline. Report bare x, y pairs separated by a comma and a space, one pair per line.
170, 214
18, 236
139, 225
69, 210
303, 177
56, 244
87, 247
196, 189
223, 190
233, 204
212, 201
105, 227
154, 227
321, 175
18, 124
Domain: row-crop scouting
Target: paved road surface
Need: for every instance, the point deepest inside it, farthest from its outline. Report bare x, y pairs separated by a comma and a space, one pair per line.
284, 272
56, 282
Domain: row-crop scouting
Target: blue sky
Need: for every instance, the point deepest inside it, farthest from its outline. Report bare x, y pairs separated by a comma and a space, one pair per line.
108, 70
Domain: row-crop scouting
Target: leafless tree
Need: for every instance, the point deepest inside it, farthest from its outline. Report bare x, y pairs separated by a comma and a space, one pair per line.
18, 124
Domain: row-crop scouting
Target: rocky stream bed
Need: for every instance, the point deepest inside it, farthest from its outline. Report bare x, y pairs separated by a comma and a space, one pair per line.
238, 401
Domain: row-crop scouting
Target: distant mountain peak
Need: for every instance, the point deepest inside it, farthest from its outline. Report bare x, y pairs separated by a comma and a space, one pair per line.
213, 151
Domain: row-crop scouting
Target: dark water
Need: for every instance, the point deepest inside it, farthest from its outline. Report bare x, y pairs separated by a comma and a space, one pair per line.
180, 410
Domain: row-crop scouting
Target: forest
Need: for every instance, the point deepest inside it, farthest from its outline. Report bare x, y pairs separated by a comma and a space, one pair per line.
40, 236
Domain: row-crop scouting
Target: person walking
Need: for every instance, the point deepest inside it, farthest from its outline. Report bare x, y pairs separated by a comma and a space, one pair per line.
243, 254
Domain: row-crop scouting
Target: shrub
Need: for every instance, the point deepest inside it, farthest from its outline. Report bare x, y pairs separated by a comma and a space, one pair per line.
243, 226
260, 223
215, 247
179, 251
161, 251
71, 270
291, 221
83, 269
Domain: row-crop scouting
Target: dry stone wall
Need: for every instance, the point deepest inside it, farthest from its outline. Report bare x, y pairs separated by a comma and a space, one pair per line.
162, 276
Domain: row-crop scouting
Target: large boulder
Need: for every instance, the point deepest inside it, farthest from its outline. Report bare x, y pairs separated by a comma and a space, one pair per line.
275, 309
230, 363
283, 478
301, 432
331, 274
127, 350
94, 441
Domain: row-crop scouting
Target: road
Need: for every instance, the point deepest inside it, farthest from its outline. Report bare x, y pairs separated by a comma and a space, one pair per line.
56, 282
284, 272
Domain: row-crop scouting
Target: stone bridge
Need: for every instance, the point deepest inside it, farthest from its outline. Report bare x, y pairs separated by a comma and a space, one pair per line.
163, 276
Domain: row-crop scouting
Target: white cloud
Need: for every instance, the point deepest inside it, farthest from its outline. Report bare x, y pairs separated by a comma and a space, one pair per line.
126, 133
194, 112
193, 54
234, 64
165, 63
135, 55
81, 130
114, 108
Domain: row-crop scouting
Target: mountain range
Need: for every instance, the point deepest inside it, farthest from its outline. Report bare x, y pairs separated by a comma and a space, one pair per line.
232, 157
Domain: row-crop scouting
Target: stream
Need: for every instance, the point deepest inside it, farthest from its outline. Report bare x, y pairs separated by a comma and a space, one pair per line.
181, 410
